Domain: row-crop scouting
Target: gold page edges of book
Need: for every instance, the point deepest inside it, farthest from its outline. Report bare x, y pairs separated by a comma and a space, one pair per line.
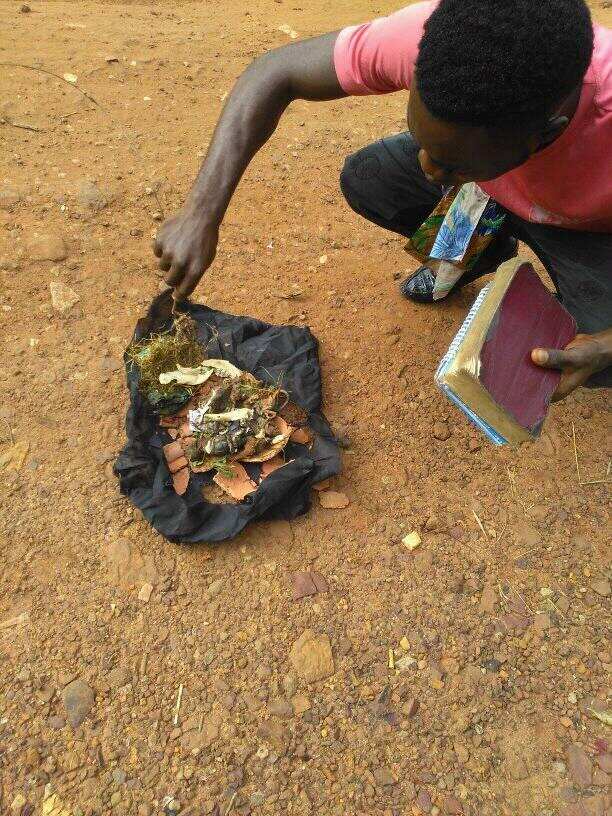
462, 373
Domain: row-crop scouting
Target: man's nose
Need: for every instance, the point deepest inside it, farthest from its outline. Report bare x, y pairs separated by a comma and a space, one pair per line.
434, 173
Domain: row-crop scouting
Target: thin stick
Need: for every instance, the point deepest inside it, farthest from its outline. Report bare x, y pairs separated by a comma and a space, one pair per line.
231, 803
22, 127
576, 453
484, 532
57, 76
177, 707
200, 724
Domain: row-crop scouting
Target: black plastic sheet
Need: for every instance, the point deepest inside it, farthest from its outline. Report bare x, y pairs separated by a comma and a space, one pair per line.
285, 355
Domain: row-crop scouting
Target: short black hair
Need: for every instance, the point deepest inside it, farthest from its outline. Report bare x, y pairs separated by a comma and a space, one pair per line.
502, 64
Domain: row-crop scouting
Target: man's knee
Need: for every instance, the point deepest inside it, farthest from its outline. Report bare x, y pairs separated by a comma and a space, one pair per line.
359, 169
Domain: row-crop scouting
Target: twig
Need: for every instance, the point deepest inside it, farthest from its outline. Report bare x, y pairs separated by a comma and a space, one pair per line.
21, 127
177, 707
159, 204
479, 522
57, 76
231, 803
200, 724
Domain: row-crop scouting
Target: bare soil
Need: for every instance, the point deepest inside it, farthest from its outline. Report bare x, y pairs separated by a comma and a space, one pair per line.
505, 605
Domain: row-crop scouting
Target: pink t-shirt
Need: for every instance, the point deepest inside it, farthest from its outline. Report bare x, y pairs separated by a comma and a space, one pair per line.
568, 184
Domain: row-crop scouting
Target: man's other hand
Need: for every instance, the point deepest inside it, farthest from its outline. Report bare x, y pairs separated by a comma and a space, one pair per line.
579, 360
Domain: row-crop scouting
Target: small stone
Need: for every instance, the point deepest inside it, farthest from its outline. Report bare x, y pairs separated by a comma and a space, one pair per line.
410, 707
24, 8
452, 806
492, 665
215, 588
119, 776
301, 704
474, 444
56, 722
63, 298
8, 198
257, 799
78, 699
412, 541
119, 677
542, 622
601, 586
566, 722
332, 500
47, 248
605, 763
145, 593
441, 431
311, 656
91, 197
579, 765
384, 777
423, 801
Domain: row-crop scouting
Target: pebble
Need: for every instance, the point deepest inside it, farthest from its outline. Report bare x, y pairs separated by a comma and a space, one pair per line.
452, 806
280, 708
63, 298
601, 586
24, 8
311, 656
579, 765
258, 798
56, 722
47, 248
215, 588
492, 665
118, 677
145, 592
332, 500
78, 700
89, 195
423, 801
441, 431
119, 776
384, 777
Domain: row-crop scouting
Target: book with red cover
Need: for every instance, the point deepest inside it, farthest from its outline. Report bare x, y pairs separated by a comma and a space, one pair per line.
488, 370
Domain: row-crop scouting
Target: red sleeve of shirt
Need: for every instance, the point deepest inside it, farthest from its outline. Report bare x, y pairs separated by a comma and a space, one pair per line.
379, 57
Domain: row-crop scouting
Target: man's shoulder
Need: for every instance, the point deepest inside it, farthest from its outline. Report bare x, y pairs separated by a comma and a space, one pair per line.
600, 69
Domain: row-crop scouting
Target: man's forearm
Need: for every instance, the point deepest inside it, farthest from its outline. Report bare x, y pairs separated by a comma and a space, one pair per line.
250, 117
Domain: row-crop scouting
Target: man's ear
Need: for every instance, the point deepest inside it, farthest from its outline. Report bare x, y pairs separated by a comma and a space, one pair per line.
551, 131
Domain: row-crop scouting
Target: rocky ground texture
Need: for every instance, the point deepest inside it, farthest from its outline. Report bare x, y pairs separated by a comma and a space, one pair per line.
466, 676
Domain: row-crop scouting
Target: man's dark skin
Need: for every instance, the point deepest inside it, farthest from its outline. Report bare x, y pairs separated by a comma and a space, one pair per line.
186, 244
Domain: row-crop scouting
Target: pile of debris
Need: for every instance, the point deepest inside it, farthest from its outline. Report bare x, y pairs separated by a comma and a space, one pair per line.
216, 415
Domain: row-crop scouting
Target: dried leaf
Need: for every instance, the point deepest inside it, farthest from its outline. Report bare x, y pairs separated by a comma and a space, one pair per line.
332, 500
186, 376
180, 480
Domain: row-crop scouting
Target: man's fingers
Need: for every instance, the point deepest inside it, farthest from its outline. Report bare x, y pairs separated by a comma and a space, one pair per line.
561, 358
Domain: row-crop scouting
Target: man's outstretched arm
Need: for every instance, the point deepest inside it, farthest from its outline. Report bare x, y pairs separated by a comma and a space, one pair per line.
186, 243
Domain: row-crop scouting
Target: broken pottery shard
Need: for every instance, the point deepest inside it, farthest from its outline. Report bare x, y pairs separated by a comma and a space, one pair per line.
332, 500
177, 464
303, 585
311, 656
173, 451
238, 485
63, 298
180, 480
271, 465
303, 436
